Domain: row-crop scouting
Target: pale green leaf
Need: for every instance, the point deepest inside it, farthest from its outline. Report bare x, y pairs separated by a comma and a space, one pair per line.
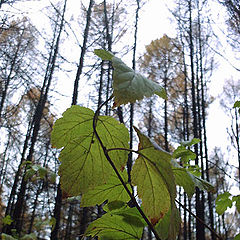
237, 200
203, 184
112, 190
7, 220
191, 142
129, 86
188, 180
153, 176
184, 178
104, 54
223, 201
116, 227
83, 163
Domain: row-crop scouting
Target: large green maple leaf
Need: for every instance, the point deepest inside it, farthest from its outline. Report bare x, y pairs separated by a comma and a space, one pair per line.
83, 163
153, 176
128, 85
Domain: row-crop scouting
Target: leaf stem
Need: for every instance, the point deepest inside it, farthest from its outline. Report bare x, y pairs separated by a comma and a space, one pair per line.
133, 199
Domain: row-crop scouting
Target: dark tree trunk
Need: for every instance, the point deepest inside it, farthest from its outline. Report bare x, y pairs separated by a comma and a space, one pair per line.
200, 229
83, 51
129, 162
57, 213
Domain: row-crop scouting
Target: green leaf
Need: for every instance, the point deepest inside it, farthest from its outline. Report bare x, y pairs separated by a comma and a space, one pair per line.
7, 220
116, 227
236, 104
112, 190
29, 173
52, 222
103, 54
203, 184
153, 176
183, 178
83, 163
223, 201
129, 86
168, 227
237, 237
52, 177
191, 142
237, 200
185, 154
188, 180
7, 237
42, 172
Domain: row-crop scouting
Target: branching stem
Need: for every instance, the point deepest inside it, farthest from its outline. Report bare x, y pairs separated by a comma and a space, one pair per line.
133, 199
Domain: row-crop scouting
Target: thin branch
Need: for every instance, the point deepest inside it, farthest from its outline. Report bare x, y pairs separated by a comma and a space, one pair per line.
133, 199
200, 220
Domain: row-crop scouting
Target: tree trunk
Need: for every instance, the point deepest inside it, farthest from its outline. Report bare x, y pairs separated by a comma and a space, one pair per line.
83, 51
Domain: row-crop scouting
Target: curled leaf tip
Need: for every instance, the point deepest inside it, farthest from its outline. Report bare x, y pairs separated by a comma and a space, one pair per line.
104, 54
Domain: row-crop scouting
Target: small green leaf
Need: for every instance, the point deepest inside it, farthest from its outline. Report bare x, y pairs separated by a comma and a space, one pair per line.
116, 227
7, 220
188, 180
223, 201
52, 176
185, 154
29, 173
52, 222
203, 184
183, 178
112, 190
42, 172
104, 54
237, 200
236, 104
191, 142
237, 237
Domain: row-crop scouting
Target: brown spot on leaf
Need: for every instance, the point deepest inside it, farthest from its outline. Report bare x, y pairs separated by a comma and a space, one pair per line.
154, 221
65, 195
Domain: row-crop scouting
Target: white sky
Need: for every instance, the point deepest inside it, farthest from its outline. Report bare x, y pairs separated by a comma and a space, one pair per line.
153, 23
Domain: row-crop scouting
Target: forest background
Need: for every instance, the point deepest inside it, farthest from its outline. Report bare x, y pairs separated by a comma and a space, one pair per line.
47, 64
